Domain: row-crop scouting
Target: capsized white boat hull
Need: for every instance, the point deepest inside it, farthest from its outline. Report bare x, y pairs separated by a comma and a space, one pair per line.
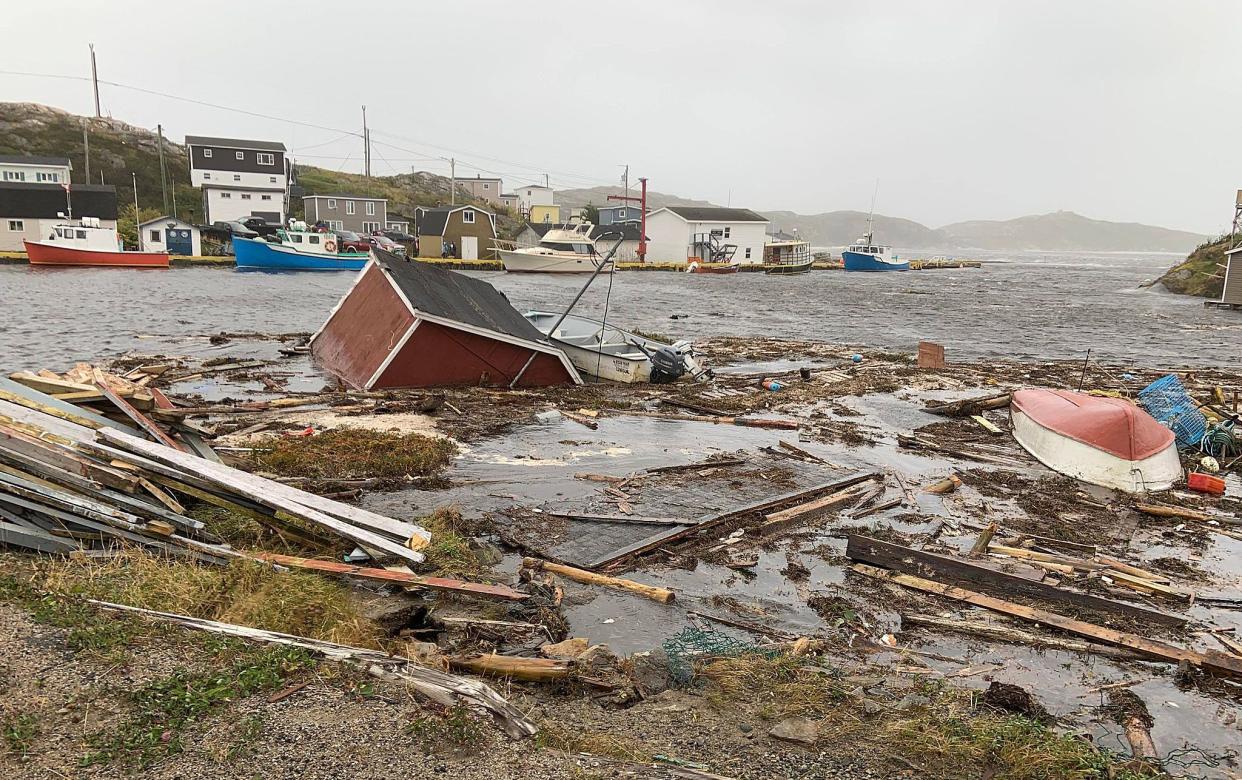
621, 357
1075, 459
518, 261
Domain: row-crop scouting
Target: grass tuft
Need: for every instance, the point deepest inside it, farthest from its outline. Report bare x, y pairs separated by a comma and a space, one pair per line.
162, 710
353, 453
245, 592
450, 553
457, 728
19, 733
575, 739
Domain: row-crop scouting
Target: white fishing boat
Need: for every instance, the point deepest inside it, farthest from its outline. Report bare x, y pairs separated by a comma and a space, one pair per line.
1104, 441
567, 250
607, 352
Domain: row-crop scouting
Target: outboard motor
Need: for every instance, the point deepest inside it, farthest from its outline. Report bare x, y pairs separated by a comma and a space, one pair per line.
668, 364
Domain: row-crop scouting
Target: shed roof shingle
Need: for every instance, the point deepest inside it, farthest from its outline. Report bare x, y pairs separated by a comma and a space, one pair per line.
43, 201
233, 143
715, 214
30, 159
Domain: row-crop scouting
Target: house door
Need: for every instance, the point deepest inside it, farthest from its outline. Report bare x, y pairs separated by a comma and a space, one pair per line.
178, 241
469, 247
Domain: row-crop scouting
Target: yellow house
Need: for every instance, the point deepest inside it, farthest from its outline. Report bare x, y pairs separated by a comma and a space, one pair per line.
548, 214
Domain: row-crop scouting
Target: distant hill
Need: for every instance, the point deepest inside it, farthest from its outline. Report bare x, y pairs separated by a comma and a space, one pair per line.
840, 228
1065, 230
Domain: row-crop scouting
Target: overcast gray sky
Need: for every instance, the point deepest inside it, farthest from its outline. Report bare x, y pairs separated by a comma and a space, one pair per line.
989, 109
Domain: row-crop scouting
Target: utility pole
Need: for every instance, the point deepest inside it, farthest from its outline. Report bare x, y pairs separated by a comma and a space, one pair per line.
545, 181
366, 144
159, 129
86, 144
137, 227
453, 179
95, 82
626, 177
642, 227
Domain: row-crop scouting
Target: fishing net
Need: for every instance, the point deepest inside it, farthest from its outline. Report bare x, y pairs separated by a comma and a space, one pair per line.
1166, 400
1223, 440
693, 643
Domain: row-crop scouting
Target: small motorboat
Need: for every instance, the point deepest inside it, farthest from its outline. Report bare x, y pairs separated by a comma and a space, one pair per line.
607, 352
296, 250
789, 268
866, 255
89, 243
567, 250
698, 267
1104, 441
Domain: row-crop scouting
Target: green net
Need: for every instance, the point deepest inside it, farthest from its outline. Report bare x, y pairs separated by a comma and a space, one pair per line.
693, 643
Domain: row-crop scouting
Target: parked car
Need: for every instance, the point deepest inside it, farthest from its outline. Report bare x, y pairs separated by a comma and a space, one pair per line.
349, 242
382, 241
259, 225
236, 228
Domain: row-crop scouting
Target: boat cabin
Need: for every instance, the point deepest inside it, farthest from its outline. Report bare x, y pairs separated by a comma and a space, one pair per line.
309, 242
869, 249
88, 234
571, 238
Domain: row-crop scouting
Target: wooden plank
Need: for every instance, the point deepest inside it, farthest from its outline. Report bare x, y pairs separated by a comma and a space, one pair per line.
31, 539
1212, 660
811, 509
986, 424
1156, 510
707, 464
192, 438
138, 417
631, 519
17, 393
52, 386
161, 495
385, 575
861, 513
921, 563
442, 688
275, 494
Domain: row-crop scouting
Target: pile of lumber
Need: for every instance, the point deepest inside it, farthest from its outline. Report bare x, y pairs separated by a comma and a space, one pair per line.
84, 468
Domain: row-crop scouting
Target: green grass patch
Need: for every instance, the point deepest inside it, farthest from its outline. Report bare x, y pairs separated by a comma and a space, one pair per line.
457, 727
1202, 272
352, 453
89, 631
163, 709
19, 733
450, 553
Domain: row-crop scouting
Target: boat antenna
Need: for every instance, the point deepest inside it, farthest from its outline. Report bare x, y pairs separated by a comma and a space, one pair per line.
604, 262
871, 216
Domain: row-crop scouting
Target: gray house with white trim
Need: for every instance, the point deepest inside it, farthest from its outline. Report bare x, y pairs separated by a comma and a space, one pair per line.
347, 212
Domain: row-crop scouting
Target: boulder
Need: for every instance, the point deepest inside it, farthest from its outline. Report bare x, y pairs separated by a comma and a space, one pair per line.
800, 731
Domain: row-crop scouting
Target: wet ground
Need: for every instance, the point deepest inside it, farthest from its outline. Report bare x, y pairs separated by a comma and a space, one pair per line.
1019, 305
1035, 306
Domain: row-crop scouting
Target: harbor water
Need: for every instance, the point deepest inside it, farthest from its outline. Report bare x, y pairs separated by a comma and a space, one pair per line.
1025, 306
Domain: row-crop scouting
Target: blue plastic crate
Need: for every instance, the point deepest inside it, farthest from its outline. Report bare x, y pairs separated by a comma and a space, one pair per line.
1166, 400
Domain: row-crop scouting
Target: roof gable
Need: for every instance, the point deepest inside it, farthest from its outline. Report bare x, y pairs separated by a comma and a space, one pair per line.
714, 214
233, 143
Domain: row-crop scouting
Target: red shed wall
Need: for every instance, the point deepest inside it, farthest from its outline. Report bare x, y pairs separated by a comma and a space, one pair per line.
369, 323
440, 355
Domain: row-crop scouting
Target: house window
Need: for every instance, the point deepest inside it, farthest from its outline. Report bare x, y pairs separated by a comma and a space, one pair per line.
487, 186
245, 196
747, 251
17, 224
239, 155
14, 176
349, 207
206, 175
467, 216
620, 213
237, 177
370, 227
370, 209
726, 234
47, 177
266, 197
265, 158
336, 224
155, 236
207, 153
271, 179
331, 203
226, 195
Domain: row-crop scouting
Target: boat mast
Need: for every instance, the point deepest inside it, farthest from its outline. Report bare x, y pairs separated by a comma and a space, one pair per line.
871, 216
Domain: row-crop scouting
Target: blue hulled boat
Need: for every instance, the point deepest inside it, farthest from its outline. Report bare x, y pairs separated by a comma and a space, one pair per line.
297, 251
866, 255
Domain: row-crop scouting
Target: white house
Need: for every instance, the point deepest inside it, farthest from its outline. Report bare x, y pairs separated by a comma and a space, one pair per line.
533, 195
35, 170
239, 178
171, 235
30, 211
680, 233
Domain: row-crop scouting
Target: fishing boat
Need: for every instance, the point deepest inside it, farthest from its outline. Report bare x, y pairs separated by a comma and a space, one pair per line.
89, 243
866, 255
296, 250
697, 267
567, 250
1103, 441
607, 352
784, 254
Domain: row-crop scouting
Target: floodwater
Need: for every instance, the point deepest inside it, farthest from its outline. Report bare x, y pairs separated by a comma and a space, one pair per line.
1019, 305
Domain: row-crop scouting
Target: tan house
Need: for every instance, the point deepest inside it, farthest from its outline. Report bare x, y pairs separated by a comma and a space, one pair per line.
463, 232
479, 188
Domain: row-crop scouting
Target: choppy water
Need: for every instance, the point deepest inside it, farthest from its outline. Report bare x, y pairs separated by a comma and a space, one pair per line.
1020, 305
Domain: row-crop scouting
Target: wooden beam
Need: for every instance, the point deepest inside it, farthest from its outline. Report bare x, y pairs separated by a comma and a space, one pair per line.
403, 578
921, 563
144, 422
1156, 510
512, 667
809, 510
662, 595
1213, 660
19, 394
631, 519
